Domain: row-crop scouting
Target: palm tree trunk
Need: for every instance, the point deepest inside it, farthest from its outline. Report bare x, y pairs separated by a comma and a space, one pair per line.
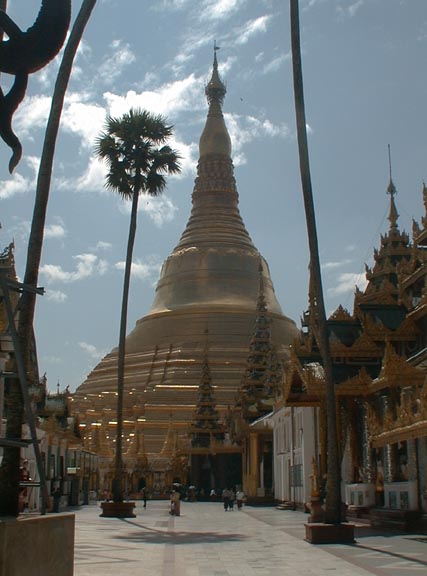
10, 472
333, 494
118, 476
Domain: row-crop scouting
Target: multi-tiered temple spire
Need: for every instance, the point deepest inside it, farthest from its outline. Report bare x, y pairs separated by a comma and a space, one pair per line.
256, 391
210, 282
206, 426
393, 254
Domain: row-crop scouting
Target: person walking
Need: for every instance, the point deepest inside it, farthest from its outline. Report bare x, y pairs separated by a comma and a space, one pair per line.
144, 496
56, 495
240, 496
231, 501
226, 498
175, 503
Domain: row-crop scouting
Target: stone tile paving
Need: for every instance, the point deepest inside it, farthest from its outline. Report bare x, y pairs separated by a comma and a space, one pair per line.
206, 541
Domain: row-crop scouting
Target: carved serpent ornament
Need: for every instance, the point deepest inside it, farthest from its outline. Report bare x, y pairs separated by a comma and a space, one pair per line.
24, 53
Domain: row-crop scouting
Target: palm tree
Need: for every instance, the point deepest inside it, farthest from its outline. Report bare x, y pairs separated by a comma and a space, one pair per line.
333, 493
9, 472
129, 146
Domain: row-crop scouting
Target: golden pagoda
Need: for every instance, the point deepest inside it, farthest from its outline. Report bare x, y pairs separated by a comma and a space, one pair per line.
209, 284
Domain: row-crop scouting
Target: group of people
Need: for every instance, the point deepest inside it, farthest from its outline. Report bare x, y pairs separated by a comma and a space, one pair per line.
229, 497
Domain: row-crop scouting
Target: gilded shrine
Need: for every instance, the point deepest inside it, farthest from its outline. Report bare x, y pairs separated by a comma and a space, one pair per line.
186, 358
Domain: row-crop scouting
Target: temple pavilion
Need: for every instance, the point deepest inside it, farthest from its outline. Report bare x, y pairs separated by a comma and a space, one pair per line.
187, 358
379, 363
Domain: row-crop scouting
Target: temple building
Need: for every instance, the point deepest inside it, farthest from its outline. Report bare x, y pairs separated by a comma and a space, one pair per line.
379, 368
186, 358
67, 465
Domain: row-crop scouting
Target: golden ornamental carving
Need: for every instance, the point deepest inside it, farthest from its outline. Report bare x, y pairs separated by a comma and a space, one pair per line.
341, 314
395, 370
358, 385
407, 330
404, 417
373, 420
365, 346
374, 329
416, 230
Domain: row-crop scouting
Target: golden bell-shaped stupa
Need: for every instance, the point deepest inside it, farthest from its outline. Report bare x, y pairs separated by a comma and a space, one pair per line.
207, 294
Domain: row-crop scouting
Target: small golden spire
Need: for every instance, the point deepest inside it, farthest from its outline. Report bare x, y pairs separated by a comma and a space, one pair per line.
391, 189
215, 89
215, 139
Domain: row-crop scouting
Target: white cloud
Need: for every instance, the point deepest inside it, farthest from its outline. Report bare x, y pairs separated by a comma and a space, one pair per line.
159, 209
276, 63
245, 129
251, 28
92, 350
52, 360
121, 57
55, 231
312, 3
334, 265
227, 65
219, 9
88, 265
93, 178
350, 11
148, 270
346, 282
31, 115
83, 119
18, 184
168, 100
170, 4
56, 296
101, 245
189, 157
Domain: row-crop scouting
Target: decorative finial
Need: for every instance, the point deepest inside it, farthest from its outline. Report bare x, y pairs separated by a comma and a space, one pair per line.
215, 89
391, 189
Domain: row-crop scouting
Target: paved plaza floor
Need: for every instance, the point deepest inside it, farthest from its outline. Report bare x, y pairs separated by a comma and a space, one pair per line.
206, 541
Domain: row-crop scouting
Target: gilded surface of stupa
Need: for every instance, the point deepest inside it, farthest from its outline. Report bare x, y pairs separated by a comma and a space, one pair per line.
206, 296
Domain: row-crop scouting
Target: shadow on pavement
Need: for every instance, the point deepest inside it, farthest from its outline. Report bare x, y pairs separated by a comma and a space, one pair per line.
154, 536
404, 557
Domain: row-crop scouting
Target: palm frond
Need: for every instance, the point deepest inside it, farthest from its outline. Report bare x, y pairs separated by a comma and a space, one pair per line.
129, 146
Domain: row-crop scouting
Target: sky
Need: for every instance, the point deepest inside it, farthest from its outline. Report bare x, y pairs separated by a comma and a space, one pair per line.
365, 81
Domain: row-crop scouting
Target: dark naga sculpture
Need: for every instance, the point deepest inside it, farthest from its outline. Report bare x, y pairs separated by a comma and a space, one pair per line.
26, 52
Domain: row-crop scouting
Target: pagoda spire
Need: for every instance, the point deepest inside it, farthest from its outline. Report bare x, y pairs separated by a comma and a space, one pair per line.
170, 444
392, 257
215, 218
206, 418
391, 189
215, 139
253, 392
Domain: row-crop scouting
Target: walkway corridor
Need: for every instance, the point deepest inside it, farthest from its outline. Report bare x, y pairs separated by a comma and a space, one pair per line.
206, 541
